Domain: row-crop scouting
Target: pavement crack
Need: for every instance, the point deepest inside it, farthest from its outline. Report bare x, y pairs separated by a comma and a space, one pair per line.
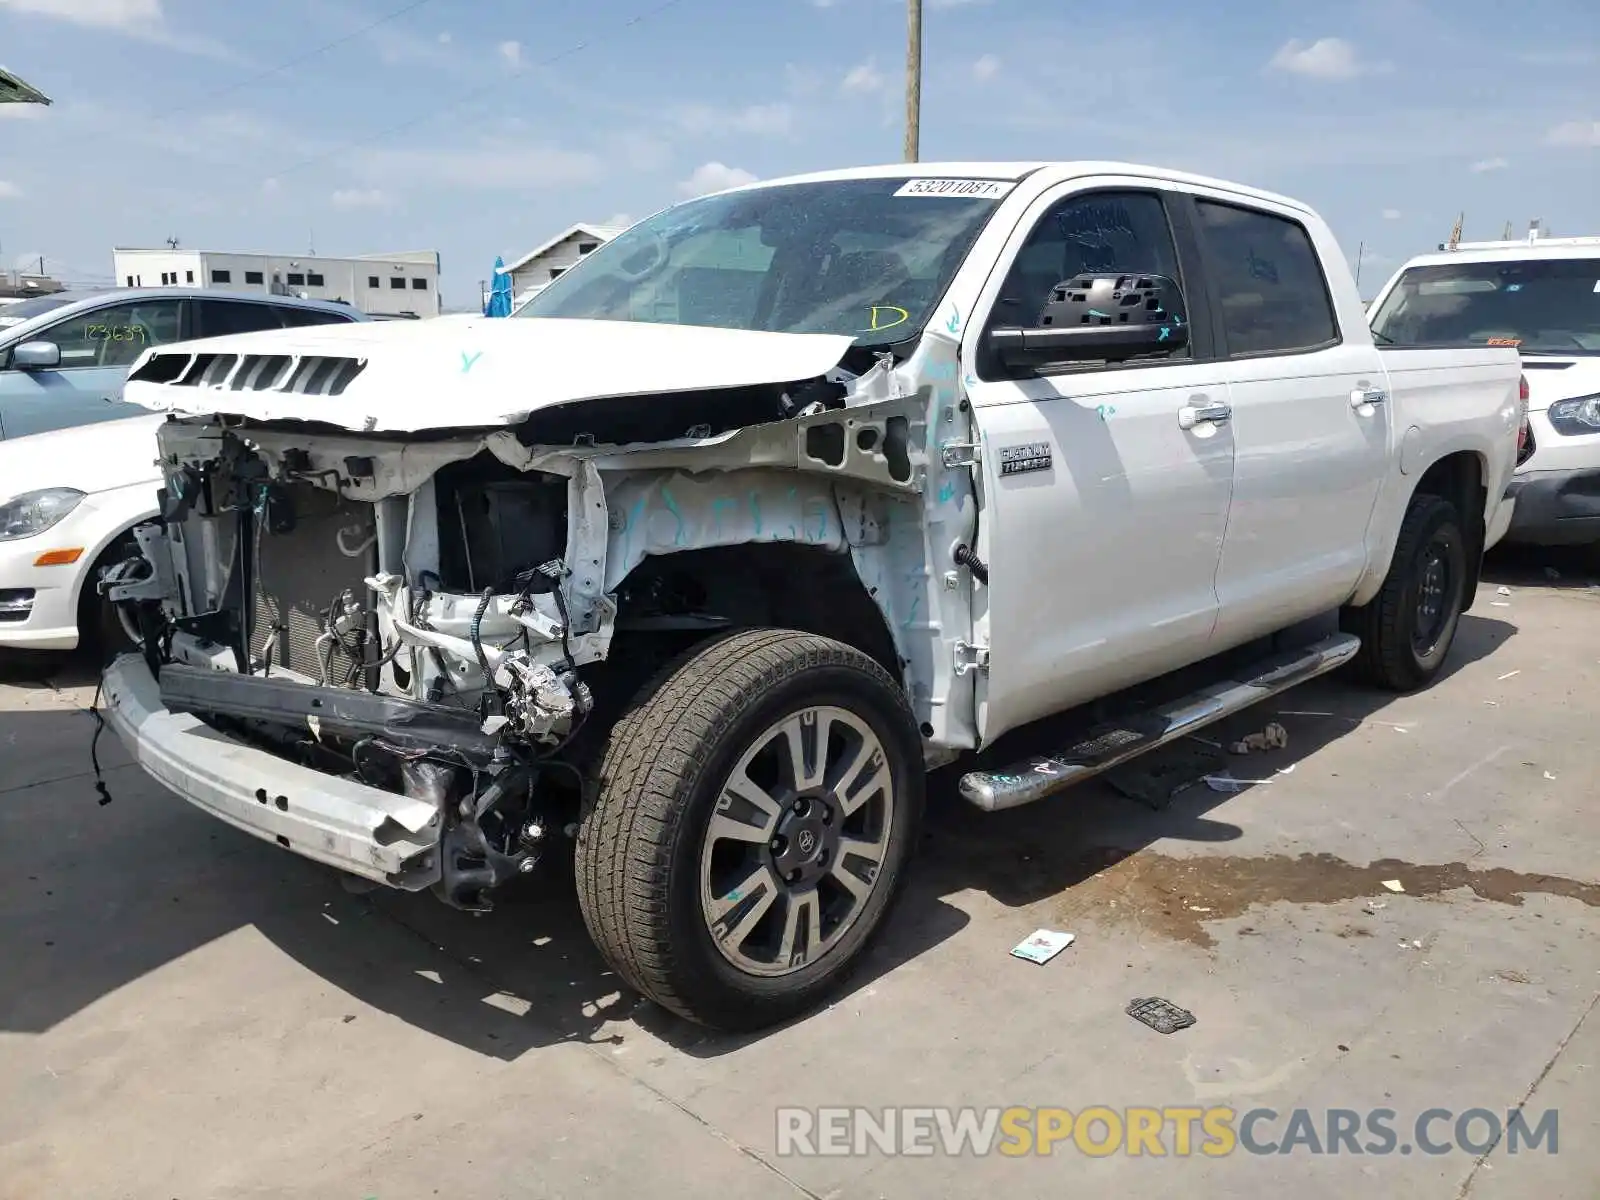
1477, 1165
726, 1138
22, 787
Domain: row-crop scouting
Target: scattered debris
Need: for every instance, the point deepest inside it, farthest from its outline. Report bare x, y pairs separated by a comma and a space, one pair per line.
1157, 778
1511, 977
1503, 590
1197, 908
1548, 775
1509, 674
1374, 906
1499, 604
1043, 945
1394, 885
1289, 770
1161, 1015
1273, 737
1222, 783
1343, 1049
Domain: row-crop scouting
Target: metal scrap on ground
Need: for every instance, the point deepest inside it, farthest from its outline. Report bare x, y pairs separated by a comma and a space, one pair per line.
1161, 1015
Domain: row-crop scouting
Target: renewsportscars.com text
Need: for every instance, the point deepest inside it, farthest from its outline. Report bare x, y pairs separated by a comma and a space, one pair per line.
1160, 1132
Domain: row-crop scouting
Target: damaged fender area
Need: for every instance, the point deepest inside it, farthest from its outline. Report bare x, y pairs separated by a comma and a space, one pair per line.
417, 615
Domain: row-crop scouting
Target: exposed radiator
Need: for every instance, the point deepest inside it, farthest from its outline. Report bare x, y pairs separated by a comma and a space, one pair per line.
299, 574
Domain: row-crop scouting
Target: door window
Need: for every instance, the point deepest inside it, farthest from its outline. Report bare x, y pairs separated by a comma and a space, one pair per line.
296, 317
221, 317
1102, 232
115, 336
1264, 270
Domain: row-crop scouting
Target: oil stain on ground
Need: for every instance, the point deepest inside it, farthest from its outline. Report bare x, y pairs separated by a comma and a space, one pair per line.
1178, 896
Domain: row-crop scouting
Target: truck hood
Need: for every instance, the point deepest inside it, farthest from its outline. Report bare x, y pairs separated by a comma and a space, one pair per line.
406, 376
92, 458
1551, 378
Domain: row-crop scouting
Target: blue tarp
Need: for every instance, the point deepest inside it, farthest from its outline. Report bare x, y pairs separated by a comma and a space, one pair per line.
499, 304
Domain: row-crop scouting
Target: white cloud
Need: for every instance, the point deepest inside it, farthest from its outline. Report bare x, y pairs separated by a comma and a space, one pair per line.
767, 120
1325, 58
444, 38
271, 186
714, 177
1575, 133
21, 112
619, 220
511, 52
1391, 214
142, 19
361, 198
499, 164
1489, 164
9, 191
863, 78
986, 68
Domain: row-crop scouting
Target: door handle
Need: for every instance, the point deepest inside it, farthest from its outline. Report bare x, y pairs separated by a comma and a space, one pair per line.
1191, 415
1363, 396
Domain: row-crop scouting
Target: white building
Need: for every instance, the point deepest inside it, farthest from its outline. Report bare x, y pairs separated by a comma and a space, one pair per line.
403, 284
536, 268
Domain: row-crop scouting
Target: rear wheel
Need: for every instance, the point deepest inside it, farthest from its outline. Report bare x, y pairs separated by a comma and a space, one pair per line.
1407, 629
756, 811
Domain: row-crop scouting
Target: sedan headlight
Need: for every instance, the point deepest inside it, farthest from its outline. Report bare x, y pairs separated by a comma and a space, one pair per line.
1581, 414
34, 512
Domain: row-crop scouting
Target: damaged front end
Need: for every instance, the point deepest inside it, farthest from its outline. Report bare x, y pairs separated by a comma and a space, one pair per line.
397, 652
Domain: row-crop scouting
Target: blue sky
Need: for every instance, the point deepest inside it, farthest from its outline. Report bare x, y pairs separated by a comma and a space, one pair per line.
480, 127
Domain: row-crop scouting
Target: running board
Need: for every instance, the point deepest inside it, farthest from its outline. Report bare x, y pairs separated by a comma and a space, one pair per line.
1035, 778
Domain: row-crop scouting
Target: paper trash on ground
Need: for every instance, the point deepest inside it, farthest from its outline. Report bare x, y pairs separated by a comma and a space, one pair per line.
1042, 945
1394, 885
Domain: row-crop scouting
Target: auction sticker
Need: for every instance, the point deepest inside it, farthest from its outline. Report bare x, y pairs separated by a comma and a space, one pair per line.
980, 189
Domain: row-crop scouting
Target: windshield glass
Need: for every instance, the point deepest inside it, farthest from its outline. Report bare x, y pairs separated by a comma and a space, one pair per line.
1541, 306
846, 257
26, 310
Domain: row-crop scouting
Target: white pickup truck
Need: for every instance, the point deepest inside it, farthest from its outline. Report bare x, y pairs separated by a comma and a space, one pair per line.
784, 496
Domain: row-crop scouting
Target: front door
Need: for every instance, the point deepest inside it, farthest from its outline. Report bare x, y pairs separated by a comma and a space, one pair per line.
97, 349
1310, 418
1104, 502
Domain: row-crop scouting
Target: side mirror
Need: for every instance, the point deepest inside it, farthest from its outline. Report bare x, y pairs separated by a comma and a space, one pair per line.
36, 356
1099, 318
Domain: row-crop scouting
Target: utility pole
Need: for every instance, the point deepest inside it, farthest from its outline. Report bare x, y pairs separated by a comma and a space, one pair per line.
913, 78
1361, 252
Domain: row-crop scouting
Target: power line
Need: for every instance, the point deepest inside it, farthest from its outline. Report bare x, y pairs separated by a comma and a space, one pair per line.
467, 98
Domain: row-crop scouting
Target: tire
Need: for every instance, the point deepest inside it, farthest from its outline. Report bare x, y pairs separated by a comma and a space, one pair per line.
1404, 644
656, 873
101, 632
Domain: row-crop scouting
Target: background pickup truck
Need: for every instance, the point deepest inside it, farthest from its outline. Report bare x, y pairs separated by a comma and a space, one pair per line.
773, 502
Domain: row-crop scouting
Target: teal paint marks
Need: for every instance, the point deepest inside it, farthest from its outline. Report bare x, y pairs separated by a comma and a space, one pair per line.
953, 324
719, 506
817, 509
468, 361
911, 617
947, 491
794, 534
755, 513
1105, 410
672, 507
630, 521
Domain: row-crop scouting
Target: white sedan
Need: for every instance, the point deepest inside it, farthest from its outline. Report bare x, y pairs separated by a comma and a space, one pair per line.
68, 501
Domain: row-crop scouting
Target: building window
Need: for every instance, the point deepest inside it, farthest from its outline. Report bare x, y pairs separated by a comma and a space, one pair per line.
373, 281
555, 272
130, 280
297, 279
222, 277
588, 247
313, 279
254, 277
396, 283
419, 285
163, 279
188, 276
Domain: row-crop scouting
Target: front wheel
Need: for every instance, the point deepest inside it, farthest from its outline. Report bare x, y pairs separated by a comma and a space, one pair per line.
757, 808
1407, 629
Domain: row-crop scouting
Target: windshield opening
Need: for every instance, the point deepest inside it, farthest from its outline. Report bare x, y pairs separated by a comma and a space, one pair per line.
1549, 306
26, 310
843, 257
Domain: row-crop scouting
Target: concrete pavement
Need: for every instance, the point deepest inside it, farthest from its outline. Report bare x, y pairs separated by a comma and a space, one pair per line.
188, 1013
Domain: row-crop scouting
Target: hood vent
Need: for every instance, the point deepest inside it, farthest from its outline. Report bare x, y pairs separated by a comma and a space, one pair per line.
308, 375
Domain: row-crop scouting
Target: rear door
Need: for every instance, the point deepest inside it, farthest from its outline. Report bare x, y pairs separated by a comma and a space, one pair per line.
1103, 511
97, 349
1310, 414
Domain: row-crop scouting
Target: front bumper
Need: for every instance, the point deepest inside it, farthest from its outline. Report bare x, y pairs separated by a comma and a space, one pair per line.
48, 618
365, 831
1555, 508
